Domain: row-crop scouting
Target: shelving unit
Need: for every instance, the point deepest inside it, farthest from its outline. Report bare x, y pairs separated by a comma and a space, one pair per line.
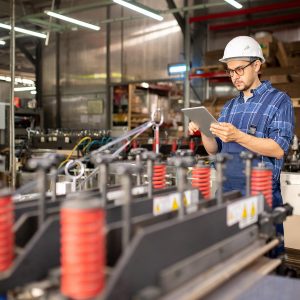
134, 103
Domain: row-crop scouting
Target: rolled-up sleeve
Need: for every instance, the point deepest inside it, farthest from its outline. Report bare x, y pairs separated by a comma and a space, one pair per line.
281, 128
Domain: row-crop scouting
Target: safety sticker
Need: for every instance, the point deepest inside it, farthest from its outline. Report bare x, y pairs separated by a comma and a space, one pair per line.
172, 202
244, 212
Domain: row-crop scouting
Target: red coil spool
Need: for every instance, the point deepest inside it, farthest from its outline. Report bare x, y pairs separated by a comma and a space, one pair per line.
7, 241
261, 182
159, 176
201, 180
82, 249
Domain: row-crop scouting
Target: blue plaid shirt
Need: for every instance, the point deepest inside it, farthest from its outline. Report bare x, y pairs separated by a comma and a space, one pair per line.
276, 124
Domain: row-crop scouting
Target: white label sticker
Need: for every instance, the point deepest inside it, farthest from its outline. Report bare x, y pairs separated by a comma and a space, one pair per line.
172, 202
244, 212
161, 205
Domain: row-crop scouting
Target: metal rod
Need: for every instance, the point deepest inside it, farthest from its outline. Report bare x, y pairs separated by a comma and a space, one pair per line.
248, 176
108, 71
103, 178
58, 93
150, 179
53, 176
12, 159
219, 181
138, 175
181, 184
42, 200
126, 210
187, 49
50, 21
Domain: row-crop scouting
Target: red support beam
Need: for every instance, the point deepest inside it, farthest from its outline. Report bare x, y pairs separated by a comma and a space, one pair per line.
253, 10
218, 74
269, 20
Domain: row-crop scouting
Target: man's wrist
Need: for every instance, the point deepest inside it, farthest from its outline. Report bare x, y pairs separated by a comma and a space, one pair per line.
241, 137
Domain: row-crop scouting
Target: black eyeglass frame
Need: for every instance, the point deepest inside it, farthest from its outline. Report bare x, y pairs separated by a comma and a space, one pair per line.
231, 72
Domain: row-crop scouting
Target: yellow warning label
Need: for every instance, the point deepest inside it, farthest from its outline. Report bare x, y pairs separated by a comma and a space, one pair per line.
253, 210
185, 201
157, 208
244, 215
175, 204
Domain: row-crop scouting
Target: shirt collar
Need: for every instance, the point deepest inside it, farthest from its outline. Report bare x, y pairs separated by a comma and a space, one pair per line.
265, 85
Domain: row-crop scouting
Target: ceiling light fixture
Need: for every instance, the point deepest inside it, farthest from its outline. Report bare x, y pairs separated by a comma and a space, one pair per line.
140, 8
25, 88
22, 30
2, 43
72, 20
234, 3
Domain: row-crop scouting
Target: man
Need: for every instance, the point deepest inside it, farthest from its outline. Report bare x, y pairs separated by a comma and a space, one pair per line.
260, 119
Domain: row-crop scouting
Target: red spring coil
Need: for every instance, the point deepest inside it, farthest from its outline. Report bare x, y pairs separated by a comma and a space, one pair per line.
201, 180
7, 241
82, 250
261, 182
159, 176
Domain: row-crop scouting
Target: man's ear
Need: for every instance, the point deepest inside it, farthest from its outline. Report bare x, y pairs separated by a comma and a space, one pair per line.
257, 65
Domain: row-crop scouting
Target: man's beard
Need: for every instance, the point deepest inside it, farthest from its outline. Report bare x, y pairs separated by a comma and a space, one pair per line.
242, 86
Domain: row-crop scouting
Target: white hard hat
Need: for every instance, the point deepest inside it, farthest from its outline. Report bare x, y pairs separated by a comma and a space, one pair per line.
242, 47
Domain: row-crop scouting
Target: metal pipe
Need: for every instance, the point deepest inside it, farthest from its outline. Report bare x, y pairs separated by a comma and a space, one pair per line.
50, 23
219, 181
248, 165
181, 184
187, 50
138, 160
126, 210
12, 159
53, 176
102, 179
150, 179
108, 71
42, 200
58, 93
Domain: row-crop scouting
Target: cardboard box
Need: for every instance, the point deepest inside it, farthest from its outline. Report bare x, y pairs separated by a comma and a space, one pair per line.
296, 102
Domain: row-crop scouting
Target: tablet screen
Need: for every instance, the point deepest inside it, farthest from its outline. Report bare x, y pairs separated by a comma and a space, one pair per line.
202, 117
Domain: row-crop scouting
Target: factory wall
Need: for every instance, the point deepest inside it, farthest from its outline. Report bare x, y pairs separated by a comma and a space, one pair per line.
140, 50
4, 91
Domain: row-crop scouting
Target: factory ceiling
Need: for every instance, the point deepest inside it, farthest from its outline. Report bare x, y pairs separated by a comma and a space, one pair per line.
30, 15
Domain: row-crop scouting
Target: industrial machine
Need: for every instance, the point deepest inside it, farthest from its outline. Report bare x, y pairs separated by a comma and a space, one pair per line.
147, 228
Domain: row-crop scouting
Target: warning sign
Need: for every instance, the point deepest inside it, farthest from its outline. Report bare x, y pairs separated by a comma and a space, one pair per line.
172, 202
244, 212
175, 204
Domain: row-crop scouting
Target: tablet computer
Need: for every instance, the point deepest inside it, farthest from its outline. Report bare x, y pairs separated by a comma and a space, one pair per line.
202, 117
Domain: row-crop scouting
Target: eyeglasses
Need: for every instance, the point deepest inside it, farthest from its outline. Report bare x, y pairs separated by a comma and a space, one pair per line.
239, 70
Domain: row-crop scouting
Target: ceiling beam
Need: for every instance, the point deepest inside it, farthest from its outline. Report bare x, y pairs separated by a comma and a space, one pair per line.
265, 20
177, 15
253, 10
27, 54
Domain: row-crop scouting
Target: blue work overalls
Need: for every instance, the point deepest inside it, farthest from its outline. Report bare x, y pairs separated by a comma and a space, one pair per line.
235, 167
